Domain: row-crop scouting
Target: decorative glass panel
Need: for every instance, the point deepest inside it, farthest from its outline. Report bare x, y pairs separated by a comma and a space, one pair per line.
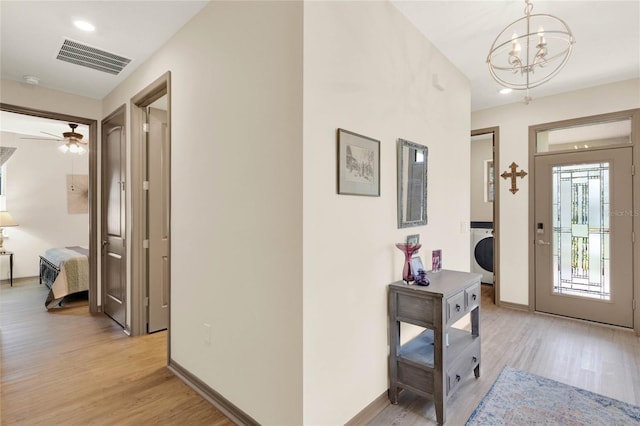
581, 230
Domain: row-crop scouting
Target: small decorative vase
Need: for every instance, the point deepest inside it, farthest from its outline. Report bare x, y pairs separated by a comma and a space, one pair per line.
408, 250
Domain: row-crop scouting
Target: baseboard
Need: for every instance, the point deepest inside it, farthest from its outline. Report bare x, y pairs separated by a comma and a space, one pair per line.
234, 414
369, 412
516, 306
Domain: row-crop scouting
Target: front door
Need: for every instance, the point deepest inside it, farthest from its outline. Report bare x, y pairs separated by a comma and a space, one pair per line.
583, 235
113, 218
158, 145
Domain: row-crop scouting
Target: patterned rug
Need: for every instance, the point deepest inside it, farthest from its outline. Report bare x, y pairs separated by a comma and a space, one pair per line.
520, 398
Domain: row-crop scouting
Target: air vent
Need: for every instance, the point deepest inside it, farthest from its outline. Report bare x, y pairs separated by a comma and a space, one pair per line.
87, 56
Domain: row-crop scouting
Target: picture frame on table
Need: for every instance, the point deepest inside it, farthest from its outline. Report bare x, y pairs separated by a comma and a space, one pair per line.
413, 239
358, 164
416, 266
436, 260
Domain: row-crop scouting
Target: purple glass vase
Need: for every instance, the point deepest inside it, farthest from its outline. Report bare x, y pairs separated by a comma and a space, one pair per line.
408, 250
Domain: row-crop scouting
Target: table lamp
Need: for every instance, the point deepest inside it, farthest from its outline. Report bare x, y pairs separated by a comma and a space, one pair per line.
5, 220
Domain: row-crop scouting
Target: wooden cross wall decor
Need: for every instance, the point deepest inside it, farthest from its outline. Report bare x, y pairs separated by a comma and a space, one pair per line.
513, 175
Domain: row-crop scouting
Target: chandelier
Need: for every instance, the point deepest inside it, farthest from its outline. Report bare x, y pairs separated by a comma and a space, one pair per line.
530, 51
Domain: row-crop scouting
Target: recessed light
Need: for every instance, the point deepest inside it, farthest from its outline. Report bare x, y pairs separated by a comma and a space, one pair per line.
505, 91
84, 26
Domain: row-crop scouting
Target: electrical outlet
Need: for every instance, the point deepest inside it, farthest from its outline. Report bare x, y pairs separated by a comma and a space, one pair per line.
206, 333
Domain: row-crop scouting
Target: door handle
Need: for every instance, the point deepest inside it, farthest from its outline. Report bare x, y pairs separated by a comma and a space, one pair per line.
544, 243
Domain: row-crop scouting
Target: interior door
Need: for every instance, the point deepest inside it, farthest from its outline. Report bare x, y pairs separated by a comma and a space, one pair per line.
159, 150
583, 235
114, 220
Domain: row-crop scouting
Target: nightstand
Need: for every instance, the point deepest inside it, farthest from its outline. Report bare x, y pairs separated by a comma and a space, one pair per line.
10, 254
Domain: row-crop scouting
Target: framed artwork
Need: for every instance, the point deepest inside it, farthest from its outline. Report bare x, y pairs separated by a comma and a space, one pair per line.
358, 164
436, 260
77, 194
413, 239
488, 181
416, 266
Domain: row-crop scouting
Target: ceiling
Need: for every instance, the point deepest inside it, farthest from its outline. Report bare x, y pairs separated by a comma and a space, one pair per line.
607, 35
31, 33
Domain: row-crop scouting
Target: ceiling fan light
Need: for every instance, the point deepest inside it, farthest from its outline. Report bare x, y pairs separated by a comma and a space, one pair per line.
63, 148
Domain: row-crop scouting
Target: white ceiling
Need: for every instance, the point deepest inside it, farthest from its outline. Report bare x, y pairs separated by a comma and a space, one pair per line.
607, 34
31, 33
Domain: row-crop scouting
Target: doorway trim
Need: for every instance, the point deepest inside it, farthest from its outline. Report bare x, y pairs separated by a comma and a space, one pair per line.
634, 115
496, 208
93, 185
139, 261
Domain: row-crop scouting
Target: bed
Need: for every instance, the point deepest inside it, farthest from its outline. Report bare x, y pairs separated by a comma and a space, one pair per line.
64, 271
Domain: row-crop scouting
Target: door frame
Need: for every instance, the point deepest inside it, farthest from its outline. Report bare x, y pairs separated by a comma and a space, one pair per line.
496, 208
93, 185
634, 115
139, 261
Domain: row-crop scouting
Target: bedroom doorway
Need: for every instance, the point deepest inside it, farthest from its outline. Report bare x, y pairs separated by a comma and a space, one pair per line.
114, 225
92, 187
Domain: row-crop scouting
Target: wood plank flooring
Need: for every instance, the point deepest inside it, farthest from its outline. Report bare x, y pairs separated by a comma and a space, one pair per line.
599, 358
68, 367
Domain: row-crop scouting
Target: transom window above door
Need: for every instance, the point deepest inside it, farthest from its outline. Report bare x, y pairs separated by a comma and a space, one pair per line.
584, 136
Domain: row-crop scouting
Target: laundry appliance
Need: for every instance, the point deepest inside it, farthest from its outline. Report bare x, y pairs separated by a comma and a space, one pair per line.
482, 250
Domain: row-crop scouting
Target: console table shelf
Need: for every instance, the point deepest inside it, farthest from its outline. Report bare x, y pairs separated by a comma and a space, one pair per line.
433, 363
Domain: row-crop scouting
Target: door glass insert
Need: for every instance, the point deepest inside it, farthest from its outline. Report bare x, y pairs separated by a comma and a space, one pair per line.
581, 204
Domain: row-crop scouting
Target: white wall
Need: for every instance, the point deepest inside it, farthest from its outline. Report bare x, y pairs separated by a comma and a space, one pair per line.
236, 193
36, 189
27, 95
481, 151
35, 97
368, 70
514, 121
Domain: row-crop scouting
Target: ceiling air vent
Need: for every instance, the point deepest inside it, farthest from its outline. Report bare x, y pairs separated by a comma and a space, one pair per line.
87, 56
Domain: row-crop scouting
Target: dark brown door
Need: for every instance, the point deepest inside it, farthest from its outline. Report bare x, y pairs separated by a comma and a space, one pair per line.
159, 152
114, 220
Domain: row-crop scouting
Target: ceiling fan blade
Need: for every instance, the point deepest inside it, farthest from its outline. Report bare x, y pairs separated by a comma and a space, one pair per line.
41, 139
51, 134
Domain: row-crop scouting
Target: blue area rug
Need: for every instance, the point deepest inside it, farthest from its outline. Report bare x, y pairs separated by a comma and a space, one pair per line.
520, 398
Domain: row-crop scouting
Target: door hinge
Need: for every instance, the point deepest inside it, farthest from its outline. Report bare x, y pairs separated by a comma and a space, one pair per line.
145, 185
145, 244
146, 301
145, 127
633, 236
633, 304
633, 170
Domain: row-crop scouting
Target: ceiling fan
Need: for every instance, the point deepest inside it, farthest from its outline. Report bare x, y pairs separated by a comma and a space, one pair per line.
73, 141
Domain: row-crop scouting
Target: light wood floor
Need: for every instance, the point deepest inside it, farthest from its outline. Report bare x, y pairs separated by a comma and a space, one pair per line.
599, 358
68, 367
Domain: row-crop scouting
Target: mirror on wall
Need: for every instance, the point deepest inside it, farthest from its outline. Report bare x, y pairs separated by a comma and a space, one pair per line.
412, 184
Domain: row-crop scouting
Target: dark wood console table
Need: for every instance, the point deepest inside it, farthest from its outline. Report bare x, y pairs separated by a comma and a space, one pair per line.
432, 363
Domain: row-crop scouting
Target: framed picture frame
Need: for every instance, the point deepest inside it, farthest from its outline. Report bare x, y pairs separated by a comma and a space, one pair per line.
413, 239
436, 260
358, 164
416, 266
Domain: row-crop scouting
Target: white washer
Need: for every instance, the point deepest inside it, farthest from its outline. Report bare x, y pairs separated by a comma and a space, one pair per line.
482, 253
